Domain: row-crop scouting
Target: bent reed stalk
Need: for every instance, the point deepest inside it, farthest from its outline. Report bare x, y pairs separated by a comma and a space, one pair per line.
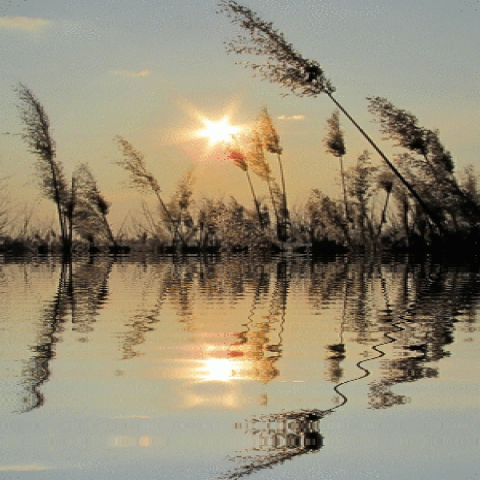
141, 178
37, 135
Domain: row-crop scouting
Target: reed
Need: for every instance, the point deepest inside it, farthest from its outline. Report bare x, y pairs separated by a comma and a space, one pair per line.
38, 137
335, 145
271, 143
237, 154
92, 207
142, 179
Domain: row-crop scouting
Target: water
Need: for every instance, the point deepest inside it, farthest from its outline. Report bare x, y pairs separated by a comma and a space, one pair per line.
283, 368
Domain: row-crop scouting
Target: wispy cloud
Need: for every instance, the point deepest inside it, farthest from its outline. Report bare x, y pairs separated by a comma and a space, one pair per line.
291, 117
131, 74
132, 416
23, 468
25, 24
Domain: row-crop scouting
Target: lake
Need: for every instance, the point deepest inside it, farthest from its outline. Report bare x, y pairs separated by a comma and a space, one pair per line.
287, 367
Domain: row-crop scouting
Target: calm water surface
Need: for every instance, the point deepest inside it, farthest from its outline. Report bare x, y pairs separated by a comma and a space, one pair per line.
285, 368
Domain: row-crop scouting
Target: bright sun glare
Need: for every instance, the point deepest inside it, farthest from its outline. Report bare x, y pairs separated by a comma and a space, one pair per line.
218, 132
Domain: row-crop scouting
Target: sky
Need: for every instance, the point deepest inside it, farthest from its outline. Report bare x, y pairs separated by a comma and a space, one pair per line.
150, 71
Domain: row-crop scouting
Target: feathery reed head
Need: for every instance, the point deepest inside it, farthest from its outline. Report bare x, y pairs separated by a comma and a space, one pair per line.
334, 140
236, 154
271, 139
36, 124
386, 180
256, 156
38, 136
134, 163
399, 125
238, 159
283, 65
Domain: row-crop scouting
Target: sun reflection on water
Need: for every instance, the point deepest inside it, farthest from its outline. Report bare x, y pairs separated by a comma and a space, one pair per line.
218, 369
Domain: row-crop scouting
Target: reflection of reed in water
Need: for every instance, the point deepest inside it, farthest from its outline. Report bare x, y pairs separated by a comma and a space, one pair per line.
82, 291
255, 347
279, 437
432, 299
337, 350
180, 281
143, 322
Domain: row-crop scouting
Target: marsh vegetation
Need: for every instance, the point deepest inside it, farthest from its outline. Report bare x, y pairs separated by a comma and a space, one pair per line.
374, 210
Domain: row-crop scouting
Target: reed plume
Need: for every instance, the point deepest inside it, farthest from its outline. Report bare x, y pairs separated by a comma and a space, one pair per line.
335, 144
93, 208
142, 179
284, 64
180, 203
431, 163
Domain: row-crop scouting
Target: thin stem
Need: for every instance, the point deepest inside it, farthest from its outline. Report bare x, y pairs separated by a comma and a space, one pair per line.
257, 205
383, 217
424, 206
284, 197
342, 173
282, 176
273, 199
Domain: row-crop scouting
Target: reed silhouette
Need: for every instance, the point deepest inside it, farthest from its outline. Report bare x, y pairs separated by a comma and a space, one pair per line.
38, 137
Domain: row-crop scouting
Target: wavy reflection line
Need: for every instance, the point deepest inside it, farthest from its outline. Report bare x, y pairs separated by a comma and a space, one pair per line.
376, 348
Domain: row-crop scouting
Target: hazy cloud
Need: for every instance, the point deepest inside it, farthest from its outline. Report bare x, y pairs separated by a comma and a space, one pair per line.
291, 117
129, 73
23, 468
24, 23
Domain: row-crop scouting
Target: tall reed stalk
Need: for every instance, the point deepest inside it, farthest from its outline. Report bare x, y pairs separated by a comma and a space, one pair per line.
38, 136
271, 143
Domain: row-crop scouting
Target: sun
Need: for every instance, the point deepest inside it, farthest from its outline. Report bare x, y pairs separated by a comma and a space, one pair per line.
218, 132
